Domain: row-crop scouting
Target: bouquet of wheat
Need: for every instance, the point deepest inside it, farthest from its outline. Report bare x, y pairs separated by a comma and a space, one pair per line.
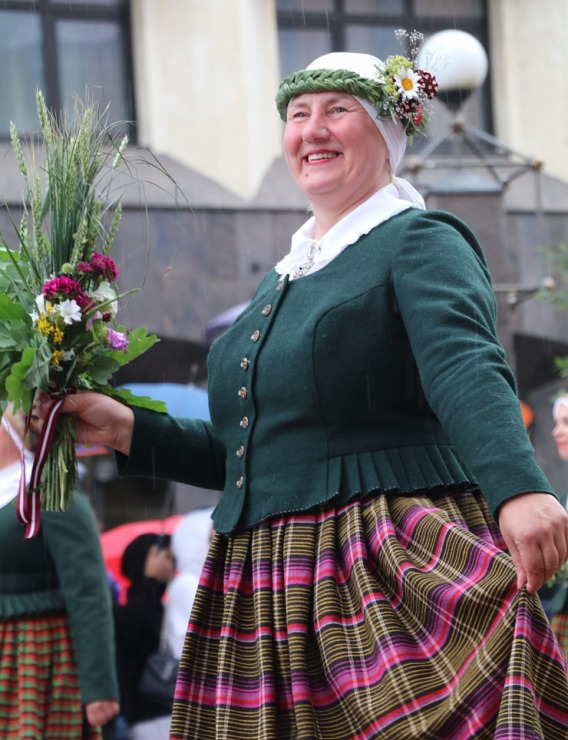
58, 290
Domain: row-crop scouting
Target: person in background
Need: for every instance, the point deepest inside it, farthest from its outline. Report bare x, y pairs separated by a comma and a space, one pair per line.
148, 564
384, 526
560, 429
57, 662
190, 543
558, 595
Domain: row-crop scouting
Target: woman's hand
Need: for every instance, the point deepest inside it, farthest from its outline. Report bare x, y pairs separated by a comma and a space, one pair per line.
99, 419
159, 564
100, 712
535, 528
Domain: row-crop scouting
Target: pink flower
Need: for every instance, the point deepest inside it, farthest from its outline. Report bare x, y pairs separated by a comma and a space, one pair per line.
84, 301
91, 320
118, 340
63, 285
104, 266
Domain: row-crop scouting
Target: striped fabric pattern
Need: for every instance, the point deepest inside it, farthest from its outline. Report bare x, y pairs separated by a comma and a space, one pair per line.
39, 685
393, 617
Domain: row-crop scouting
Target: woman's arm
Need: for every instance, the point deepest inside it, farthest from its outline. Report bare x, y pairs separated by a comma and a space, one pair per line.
73, 543
535, 528
149, 443
448, 308
99, 420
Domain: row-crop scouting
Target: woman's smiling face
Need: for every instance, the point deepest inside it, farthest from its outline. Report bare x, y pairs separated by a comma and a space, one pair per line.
334, 150
560, 431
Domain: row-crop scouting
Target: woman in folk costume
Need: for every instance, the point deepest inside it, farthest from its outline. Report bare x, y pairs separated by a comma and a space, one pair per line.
58, 673
384, 526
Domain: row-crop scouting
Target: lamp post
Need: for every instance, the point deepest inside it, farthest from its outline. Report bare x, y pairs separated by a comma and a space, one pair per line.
460, 64
464, 160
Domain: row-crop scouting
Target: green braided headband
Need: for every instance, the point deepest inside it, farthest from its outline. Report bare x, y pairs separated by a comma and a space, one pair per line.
398, 92
322, 80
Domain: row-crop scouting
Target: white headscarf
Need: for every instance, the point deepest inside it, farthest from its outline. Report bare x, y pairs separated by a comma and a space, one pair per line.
560, 401
190, 543
392, 131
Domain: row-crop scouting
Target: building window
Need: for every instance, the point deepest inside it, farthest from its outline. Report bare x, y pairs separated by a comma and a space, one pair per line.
65, 48
309, 28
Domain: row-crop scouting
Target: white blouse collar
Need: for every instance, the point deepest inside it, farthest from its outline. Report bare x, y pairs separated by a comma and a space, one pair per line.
308, 255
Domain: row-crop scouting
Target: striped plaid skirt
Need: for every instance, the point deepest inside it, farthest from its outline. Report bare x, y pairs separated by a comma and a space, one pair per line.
394, 617
39, 685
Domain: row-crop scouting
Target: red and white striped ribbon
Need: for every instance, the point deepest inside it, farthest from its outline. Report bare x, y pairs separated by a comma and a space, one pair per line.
28, 507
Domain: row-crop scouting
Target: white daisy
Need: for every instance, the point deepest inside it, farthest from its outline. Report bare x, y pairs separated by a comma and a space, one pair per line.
69, 311
407, 83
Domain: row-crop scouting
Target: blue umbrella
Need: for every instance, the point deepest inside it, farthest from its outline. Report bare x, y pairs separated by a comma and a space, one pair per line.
182, 400
222, 322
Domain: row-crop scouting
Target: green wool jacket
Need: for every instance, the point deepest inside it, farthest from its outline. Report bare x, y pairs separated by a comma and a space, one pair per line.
379, 372
61, 570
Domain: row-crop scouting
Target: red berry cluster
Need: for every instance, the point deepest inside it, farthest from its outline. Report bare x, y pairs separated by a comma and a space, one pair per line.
428, 83
409, 109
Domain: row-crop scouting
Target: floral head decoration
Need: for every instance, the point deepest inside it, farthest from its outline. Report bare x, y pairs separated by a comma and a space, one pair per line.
395, 88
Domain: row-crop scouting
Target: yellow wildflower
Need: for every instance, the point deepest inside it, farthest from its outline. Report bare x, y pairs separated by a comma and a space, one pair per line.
57, 335
44, 325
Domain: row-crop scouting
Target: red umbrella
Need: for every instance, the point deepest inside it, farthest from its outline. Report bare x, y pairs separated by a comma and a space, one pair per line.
114, 542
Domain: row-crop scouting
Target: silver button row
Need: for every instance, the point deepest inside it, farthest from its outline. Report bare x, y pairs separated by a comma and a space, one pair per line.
242, 392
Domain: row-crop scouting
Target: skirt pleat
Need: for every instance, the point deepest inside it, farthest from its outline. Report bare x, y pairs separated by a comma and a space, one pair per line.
39, 684
393, 617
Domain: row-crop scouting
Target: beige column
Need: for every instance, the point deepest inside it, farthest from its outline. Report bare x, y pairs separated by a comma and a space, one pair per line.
529, 64
206, 72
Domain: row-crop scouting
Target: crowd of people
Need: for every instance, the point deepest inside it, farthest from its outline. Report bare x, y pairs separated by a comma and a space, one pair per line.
384, 526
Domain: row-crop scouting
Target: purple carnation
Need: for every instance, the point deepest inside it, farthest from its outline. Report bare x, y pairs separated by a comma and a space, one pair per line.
118, 340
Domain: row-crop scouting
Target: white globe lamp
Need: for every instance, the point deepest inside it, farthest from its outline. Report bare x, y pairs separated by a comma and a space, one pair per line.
459, 62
